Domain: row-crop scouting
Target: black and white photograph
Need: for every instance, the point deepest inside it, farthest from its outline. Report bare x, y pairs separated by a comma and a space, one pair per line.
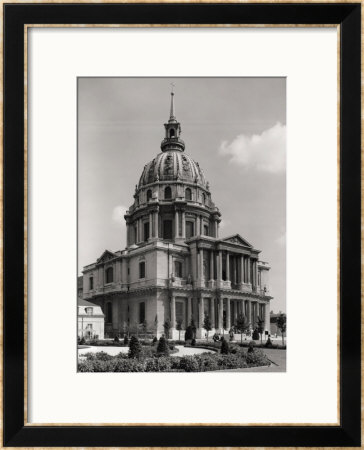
181, 224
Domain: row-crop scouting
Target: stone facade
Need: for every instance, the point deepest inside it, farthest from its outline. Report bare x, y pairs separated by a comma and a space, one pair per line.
175, 266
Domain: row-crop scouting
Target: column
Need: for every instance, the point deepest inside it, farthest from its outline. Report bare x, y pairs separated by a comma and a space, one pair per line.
127, 235
249, 311
183, 225
156, 234
216, 229
176, 225
212, 312
256, 272
202, 275
150, 225
211, 264
201, 312
173, 312
242, 269
235, 311
197, 225
189, 310
221, 312
248, 269
219, 266
267, 317
140, 230
235, 269
228, 314
227, 267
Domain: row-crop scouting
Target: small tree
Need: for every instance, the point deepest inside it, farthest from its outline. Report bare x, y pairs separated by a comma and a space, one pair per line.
255, 334
135, 348
163, 348
225, 348
260, 327
281, 324
144, 327
242, 325
207, 325
179, 328
193, 327
156, 324
167, 327
189, 334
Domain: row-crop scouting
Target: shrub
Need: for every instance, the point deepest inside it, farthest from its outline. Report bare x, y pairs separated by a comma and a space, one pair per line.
116, 338
269, 343
207, 362
82, 341
225, 349
162, 364
189, 364
163, 348
193, 342
257, 358
102, 356
189, 333
128, 365
135, 348
256, 335
85, 366
126, 340
251, 347
154, 340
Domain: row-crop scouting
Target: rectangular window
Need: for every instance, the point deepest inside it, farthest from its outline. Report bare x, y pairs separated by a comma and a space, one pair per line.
142, 269
206, 230
178, 269
141, 312
167, 229
91, 283
189, 230
146, 231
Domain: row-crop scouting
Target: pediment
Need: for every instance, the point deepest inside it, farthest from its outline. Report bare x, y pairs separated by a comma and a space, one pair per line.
237, 239
106, 256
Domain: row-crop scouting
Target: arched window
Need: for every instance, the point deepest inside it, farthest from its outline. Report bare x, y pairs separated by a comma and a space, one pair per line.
167, 193
203, 198
188, 194
108, 312
109, 275
149, 194
91, 283
171, 133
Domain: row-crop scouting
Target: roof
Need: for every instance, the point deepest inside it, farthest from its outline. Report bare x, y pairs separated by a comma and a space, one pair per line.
82, 302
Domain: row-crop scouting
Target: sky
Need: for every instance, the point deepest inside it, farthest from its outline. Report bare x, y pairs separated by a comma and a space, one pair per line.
235, 128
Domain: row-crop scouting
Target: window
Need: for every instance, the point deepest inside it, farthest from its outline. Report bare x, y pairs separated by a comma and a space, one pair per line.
149, 195
141, 312
142, 269
91, 283
178, 269
109, 312
189, 230
171, 133
146, 231
89, 311
188, 194
206, 230
203, 198
109, 275
167, 229
167, 193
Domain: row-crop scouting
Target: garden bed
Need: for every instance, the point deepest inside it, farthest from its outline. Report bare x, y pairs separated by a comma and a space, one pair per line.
151, 362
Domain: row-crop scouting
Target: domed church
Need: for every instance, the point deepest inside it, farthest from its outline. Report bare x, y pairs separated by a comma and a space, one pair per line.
175, 266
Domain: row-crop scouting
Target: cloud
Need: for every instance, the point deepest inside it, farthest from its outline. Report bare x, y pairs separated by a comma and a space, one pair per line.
265, 152
118, 214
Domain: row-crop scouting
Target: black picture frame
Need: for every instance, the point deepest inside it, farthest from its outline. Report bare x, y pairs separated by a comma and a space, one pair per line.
348, 433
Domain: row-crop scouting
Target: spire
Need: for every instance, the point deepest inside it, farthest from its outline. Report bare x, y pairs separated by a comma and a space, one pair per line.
172, 140
172, 116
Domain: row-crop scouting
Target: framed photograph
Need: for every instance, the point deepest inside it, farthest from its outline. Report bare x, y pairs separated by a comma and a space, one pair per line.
182, 210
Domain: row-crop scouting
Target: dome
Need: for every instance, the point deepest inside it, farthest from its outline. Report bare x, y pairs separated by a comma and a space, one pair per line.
172, 166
